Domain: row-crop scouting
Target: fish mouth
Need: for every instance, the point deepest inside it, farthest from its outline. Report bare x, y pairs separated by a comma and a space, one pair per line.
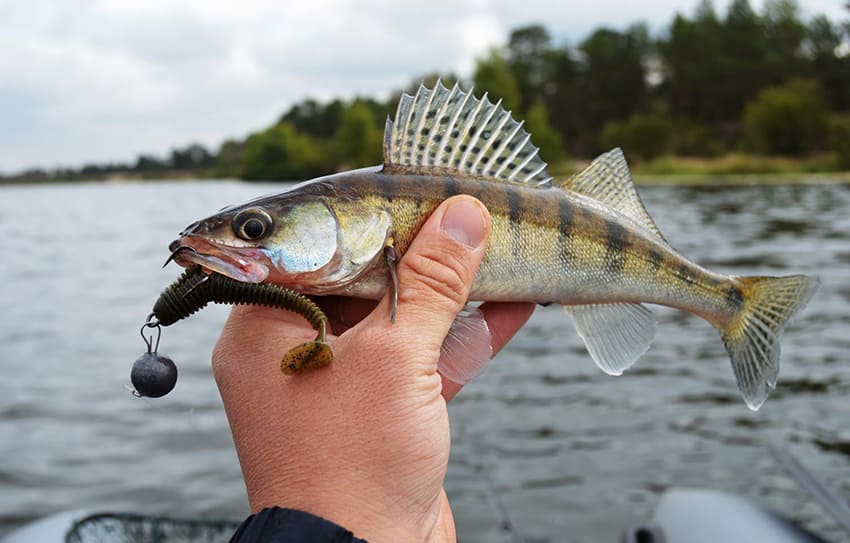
190, 251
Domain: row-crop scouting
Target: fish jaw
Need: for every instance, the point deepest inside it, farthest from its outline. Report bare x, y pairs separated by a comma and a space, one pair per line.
242, 264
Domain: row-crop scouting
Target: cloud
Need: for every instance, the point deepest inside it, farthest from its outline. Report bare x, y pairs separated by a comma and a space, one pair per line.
75, 77
96, 80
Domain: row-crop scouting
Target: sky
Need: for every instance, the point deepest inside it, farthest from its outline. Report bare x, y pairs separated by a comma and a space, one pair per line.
85, 81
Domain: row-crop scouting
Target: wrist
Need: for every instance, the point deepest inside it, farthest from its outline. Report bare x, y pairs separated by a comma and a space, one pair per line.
368, 515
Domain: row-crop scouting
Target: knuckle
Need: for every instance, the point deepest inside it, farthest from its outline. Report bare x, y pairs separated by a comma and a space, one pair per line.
444, 275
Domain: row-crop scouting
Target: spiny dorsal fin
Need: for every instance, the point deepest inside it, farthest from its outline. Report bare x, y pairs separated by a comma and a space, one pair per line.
444, 131
607, 179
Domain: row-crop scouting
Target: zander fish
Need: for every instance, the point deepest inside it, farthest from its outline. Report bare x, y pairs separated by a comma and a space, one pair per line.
587, 243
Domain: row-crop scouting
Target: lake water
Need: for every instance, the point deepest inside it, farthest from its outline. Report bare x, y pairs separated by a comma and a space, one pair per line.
543, 440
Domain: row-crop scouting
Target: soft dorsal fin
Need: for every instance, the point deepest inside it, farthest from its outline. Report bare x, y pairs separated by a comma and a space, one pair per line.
444, 131
607, 180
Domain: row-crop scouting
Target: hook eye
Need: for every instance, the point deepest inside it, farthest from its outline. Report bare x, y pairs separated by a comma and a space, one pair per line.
151, 322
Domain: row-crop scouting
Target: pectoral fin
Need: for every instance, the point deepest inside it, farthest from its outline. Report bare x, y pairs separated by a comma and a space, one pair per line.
615, 335
467, 347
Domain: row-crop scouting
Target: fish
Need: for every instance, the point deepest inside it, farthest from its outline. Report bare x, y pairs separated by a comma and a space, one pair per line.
586, 243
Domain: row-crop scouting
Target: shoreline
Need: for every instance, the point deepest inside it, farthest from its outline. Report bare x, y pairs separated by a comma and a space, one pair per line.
666, 171
732, 169
742, 179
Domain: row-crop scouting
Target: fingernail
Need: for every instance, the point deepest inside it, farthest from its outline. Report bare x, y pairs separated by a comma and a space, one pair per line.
464, 221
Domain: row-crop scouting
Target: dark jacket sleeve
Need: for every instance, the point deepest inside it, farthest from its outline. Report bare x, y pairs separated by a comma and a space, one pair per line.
276, 525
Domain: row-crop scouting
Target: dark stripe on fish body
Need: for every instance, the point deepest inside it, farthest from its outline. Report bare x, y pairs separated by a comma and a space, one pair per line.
686, 274
514, 207
566, 220
734, 297
616, 241
451, 187
656, 259
515, 212
587, 215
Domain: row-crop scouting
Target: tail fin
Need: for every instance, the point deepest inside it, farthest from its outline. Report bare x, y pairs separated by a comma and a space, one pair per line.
752, 336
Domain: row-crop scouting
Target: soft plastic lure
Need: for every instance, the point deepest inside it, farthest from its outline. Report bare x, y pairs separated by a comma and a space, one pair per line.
154, 375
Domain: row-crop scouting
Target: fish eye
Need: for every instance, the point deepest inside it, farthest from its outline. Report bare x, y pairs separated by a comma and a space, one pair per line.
252, 224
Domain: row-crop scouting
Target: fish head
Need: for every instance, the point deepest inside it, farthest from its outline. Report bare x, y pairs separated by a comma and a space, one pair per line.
311, 244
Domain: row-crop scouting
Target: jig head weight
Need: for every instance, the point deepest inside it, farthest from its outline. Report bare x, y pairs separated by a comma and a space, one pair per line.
153, 375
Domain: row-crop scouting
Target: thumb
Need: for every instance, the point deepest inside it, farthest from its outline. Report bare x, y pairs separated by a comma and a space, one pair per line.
436, 272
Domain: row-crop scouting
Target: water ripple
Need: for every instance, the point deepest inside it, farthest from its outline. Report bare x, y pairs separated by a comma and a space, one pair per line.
567, 448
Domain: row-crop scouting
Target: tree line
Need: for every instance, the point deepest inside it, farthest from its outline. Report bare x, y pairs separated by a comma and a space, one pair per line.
192, 160
708, 84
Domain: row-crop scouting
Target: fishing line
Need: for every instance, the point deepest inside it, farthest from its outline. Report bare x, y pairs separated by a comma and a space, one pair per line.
505, 521
827, 497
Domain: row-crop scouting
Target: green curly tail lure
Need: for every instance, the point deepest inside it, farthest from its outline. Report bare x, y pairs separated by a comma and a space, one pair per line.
194, 289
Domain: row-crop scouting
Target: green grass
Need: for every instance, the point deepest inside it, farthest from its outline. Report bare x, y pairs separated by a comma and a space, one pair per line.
729, 169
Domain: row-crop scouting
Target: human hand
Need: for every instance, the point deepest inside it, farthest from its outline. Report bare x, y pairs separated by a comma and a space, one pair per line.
364, 442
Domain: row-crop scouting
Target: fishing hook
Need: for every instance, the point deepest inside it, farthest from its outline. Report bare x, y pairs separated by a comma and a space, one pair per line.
177, 250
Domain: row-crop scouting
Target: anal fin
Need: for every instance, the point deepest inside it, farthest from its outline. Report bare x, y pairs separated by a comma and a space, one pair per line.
615, 335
